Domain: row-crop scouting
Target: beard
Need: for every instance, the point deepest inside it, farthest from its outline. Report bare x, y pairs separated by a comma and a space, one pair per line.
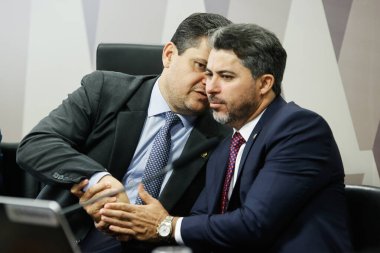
222, 118
236, 113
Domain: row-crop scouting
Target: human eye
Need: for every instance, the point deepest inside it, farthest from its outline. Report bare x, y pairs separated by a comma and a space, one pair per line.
208, 74
200, 66
227, 77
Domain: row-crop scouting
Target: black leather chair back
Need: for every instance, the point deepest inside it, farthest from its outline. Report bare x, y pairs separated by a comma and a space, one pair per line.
364, 211
15, 181
134, 59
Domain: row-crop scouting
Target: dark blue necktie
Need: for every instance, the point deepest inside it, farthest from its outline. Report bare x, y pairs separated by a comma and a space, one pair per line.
158, 157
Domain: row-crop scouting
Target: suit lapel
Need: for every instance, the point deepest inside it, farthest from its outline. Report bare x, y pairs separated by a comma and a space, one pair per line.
218, 173
129, 124
272, 109
252, 138
181, 178
203, 133
251, 148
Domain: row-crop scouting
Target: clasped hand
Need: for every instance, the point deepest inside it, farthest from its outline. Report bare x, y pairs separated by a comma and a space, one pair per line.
114, 214
92, 200
137, 221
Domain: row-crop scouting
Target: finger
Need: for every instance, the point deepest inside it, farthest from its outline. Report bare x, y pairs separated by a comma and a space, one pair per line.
144, 195
96, 194
117, 222
101, 225
94, 208
95, 189
121, 206
77, 189
109, 192
117, 214
121, 231
106, 193
101, 202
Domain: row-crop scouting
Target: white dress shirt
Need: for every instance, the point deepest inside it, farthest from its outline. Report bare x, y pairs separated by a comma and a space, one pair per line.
245, 132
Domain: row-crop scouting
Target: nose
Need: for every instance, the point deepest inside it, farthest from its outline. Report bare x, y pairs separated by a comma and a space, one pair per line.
203, 80
212, 86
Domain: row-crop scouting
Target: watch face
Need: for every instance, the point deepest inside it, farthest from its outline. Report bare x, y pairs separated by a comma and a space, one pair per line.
164, 230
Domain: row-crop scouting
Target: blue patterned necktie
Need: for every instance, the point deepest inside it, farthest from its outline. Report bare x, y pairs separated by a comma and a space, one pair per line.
158, 157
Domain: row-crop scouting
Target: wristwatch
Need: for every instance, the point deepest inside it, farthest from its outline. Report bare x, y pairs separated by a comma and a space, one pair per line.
164, 229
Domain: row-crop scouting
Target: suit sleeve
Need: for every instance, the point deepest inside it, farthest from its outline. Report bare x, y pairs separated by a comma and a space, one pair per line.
51, 150
200, 205
299, 158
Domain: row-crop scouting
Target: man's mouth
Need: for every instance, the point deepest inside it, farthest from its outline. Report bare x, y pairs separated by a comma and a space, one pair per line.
201, 92
215, 103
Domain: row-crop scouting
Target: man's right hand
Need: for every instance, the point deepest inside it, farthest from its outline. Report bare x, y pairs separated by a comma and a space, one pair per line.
106, 185
121, 196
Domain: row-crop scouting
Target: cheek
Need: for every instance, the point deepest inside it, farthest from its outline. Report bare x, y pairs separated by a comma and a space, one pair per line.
245, 90
197, 78
236, 95
194, 81
232, 93
179, 91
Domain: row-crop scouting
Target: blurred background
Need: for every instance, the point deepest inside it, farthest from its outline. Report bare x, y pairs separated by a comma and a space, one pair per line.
333, 46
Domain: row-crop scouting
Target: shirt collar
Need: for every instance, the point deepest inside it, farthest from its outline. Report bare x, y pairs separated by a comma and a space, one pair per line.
247, 129
158, 106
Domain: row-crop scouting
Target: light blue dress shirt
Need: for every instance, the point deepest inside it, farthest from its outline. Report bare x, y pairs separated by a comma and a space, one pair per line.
154, 121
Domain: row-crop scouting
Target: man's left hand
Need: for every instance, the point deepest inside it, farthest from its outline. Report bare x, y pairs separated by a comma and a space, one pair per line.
137, 221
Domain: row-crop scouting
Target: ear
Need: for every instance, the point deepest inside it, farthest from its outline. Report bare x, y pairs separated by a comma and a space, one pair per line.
266, 81
167, 53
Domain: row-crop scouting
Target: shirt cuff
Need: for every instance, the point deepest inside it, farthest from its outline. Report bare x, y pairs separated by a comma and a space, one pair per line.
95, 179
177, 232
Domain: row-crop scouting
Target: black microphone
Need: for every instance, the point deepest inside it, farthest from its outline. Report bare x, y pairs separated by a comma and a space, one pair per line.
176, 165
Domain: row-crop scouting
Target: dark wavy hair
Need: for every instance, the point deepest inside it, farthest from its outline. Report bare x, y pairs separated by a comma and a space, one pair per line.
195, 27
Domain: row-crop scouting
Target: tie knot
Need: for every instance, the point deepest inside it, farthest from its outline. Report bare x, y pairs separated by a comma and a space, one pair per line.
171, 119
237, 140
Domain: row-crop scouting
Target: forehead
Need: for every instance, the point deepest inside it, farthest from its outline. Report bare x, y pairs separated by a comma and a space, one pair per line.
202, 50
223, 59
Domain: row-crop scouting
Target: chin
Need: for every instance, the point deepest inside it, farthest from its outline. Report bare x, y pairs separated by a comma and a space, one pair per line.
197, 107
221, 118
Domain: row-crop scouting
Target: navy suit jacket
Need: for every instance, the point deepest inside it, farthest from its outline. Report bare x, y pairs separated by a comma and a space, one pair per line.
289, 195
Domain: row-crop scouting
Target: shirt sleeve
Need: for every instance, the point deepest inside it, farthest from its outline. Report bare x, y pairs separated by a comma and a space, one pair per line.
95, 179
177, 232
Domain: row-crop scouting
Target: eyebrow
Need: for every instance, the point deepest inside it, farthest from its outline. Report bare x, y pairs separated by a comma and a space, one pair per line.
200, 60
220, 72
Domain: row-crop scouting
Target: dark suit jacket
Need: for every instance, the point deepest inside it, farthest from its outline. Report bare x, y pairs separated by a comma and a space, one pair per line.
289, 195
97, 128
